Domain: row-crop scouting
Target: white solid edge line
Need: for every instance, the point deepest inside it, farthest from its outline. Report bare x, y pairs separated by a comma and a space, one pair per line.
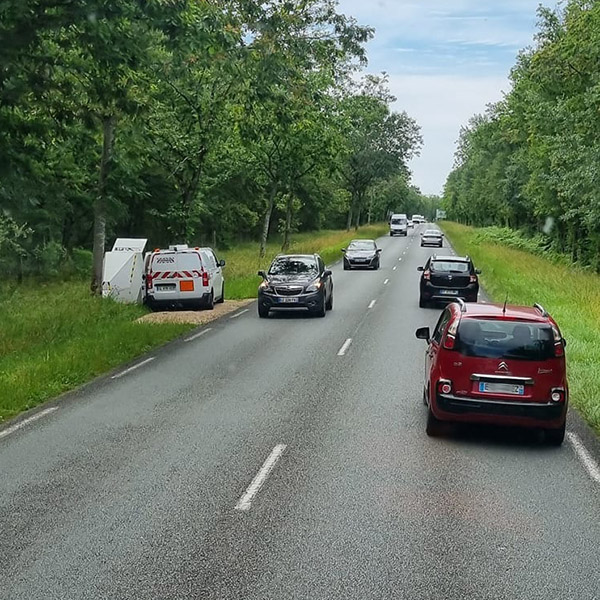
386, 282
197, 335
345, 347
240, 313
372, 304
26, 422
245, 502
585, 457
126, 371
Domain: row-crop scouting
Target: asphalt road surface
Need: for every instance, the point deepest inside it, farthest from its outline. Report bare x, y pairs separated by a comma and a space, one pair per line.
276, 459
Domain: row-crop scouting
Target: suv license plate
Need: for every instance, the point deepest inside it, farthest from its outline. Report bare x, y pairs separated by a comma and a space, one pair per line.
449, 292
288, 300
501, 388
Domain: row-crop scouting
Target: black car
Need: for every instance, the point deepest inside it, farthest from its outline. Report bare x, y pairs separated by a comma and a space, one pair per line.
361, 253
448, 278
432, 237
296, 281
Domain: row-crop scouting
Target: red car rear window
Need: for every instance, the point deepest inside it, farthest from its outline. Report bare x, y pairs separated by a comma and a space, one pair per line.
511, 340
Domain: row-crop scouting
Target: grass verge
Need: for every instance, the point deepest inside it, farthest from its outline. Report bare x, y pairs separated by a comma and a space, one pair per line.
569, 294
54, 337
243, 262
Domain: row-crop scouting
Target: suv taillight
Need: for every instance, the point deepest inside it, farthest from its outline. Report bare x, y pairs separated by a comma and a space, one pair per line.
473, 279
427, 275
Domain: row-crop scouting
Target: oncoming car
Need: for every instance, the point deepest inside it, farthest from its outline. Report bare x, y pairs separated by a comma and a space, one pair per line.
496, 364
296, 281
361, 253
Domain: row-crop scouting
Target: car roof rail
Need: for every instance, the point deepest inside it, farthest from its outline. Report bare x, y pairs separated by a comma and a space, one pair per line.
462, 304
542, 310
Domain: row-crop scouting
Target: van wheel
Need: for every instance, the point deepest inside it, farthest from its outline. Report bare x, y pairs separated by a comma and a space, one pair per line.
555, 437
434, 427
210, 303
222, 298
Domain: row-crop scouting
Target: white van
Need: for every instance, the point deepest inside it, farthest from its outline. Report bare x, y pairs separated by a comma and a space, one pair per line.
398, 225
184, 277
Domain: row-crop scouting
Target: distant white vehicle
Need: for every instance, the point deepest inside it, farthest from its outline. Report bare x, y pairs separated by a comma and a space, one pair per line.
184, 277
398, 225
123, 271
418, 219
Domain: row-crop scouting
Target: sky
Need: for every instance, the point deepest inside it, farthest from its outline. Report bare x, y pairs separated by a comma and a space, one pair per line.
446, 59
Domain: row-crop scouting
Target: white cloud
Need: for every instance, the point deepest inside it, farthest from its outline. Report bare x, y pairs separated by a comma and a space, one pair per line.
441, 105
447, 59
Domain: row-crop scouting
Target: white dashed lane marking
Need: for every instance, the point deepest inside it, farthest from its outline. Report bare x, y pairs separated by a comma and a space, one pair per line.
344, 348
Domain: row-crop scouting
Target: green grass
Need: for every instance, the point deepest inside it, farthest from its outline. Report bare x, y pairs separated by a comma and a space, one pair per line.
243, 262
571, 295
54, 337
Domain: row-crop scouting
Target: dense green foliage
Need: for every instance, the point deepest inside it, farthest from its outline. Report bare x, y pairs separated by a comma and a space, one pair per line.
569, 294
531, 162
199, 121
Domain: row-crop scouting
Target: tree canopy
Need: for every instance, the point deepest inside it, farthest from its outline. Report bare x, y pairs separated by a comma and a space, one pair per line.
532, 161
196, 121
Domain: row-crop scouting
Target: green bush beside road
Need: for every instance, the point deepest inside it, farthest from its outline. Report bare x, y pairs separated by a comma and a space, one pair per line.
571, 295
54, 336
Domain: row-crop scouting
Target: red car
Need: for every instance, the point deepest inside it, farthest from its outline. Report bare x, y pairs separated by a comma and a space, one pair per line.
496, 364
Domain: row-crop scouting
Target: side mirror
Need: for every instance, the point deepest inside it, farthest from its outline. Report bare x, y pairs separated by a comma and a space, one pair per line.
221, 263
327, 273
262, 274
420, 268
378, 250
564, 342
478, 271
423, 333
443, 235
343, 249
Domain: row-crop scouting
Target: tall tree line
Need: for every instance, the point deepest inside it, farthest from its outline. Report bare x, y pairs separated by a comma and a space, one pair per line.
533, 160
188, 120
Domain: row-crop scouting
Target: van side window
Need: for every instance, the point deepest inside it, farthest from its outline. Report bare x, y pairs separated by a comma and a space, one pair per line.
214, 257
441, 326
209, 260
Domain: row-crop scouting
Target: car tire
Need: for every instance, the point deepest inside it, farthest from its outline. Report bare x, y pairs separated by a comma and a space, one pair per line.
221, 300
263, 311
346, 266
391, 234
555, 437
422, 302
434, 427
424, 396
329, 303
210, 303
322, 310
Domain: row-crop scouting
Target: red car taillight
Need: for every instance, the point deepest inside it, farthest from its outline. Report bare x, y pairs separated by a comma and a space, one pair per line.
444, 386
427, 275
450, 339
149, 278
559, 348
473, 279
205, 279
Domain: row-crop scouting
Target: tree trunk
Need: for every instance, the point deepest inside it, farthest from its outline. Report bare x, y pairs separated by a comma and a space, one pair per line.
350, 212
357, 224
108, 139
267, 221
288, 223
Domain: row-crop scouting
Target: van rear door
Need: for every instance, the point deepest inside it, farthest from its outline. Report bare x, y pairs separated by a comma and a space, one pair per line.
189, 274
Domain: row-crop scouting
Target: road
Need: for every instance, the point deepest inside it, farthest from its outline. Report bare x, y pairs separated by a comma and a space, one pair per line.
143, 486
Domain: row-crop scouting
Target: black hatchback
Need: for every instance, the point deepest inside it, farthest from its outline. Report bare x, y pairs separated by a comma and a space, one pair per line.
445, 278
296, 281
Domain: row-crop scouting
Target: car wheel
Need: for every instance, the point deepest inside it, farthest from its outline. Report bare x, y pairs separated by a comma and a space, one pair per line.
391, 234
329, 304
377, 265
422, 302
555, 437
424, 396
210, 303
263, 311
222, 298
321, 311
434, 427
346, 266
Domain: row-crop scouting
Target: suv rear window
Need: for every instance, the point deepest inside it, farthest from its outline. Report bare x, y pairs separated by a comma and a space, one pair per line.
449, 267
511, 340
